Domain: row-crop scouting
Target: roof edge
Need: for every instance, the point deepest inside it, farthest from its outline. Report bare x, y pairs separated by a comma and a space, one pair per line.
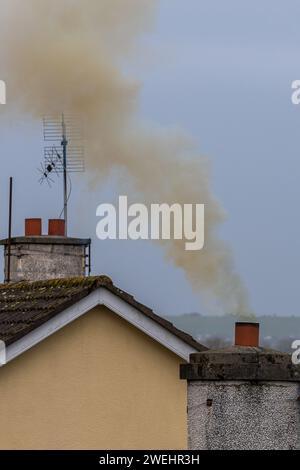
90, 285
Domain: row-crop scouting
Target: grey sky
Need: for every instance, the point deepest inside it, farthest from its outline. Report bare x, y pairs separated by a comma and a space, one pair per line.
223, 72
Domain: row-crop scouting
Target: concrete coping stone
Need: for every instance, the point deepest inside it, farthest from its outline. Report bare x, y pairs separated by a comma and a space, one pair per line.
241, 363
47, 240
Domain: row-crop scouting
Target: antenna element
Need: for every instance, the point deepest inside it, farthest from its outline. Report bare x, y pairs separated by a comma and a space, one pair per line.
62, 156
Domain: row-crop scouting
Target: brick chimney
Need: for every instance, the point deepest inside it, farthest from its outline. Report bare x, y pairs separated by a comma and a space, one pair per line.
40, 257
242, 397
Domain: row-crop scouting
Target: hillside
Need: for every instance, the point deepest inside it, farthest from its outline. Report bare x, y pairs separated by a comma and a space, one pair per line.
277, 332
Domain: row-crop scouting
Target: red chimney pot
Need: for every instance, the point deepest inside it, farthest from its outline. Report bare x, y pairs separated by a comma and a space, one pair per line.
247, 334
56, 228
33, 227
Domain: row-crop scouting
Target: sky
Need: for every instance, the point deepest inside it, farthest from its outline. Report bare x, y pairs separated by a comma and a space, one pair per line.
222, 71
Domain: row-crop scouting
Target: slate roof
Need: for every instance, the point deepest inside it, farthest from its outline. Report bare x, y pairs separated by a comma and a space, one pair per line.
27, 305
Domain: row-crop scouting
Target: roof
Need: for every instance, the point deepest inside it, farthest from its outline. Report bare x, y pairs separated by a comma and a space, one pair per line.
27, 305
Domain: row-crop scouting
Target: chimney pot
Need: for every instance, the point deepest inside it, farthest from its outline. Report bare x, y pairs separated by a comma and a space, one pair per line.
247, 334
56, 228
33, 227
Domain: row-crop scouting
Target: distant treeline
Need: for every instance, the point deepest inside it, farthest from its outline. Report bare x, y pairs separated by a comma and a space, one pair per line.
217, 331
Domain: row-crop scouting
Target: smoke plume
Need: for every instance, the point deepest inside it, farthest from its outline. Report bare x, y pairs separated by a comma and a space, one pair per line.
67, 55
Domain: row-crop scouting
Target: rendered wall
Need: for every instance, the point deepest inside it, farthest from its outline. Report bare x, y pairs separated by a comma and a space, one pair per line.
243, 415
45, 261
97, 384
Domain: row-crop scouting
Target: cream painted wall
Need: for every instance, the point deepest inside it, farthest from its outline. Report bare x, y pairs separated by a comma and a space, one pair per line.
99, 383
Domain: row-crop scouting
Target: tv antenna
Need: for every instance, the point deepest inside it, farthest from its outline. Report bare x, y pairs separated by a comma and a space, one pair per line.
61, 156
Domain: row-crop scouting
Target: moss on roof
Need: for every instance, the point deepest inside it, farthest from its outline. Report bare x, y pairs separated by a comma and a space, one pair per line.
25, 306
55, 283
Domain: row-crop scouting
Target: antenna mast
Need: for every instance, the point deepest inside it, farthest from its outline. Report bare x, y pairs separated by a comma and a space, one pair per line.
8, 274
62, 156
64, 144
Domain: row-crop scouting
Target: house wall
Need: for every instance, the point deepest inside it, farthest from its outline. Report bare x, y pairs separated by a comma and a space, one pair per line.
243, 415
99, 383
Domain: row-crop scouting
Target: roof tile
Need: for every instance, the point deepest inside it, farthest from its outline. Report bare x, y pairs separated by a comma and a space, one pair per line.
25, 306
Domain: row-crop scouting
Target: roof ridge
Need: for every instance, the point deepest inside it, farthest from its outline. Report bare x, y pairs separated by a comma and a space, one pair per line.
38, 301
82, 281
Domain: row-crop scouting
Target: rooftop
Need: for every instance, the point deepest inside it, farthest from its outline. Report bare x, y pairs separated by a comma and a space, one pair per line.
27, 305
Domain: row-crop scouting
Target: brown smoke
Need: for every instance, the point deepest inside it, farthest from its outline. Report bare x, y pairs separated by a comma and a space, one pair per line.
67, 55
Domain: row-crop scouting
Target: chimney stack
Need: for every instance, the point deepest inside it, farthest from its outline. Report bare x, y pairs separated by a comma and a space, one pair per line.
243, 397
36, 256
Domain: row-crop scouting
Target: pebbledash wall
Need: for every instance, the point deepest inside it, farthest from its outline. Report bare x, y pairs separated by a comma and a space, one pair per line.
99, 383
243, 415
243, 397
